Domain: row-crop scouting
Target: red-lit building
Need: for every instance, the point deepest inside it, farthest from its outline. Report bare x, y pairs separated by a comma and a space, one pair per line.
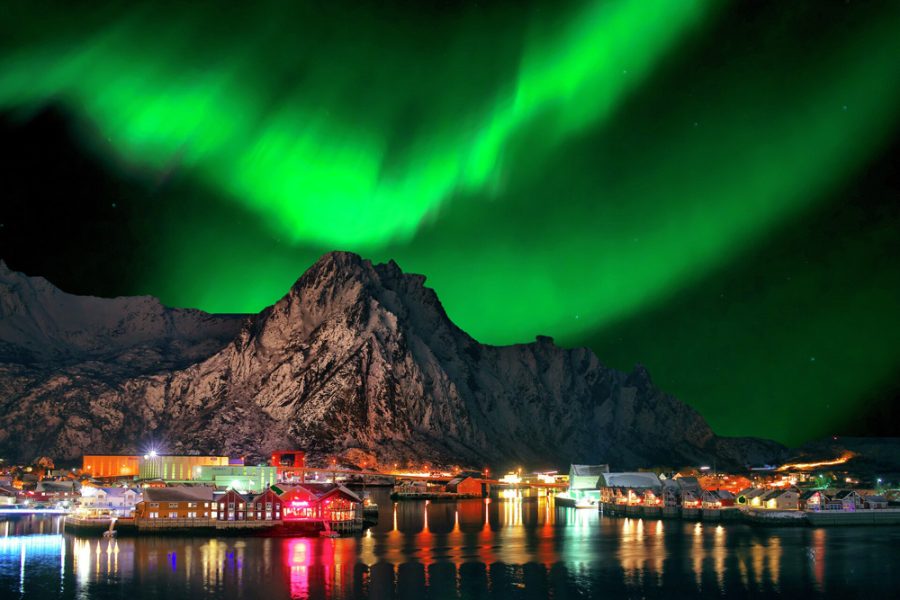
319, 502
468, 486
289, 464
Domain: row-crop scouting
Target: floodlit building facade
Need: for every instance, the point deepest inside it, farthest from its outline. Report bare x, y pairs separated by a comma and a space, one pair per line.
585, 481
110, 465
241, 478
176, 468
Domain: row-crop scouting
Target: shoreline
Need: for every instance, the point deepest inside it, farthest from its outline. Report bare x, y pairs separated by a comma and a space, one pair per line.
762, 517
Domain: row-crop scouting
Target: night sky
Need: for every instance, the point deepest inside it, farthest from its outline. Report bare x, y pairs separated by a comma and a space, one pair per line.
708, 188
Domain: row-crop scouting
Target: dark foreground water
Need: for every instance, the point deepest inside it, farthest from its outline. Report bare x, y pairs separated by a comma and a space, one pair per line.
502, 549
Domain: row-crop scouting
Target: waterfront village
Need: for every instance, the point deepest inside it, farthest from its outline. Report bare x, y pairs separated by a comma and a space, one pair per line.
158, 493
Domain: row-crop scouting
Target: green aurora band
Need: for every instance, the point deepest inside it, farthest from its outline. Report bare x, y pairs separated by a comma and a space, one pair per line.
551, 171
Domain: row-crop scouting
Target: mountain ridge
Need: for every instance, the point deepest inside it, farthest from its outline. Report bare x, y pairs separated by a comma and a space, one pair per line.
360, 358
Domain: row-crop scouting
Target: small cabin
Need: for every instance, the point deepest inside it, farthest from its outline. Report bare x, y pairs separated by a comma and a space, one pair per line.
849, 499
875, 502
468, 486
781, 500
813, 500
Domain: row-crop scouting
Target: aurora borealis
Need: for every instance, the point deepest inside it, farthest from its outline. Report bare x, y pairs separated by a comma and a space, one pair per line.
667, 181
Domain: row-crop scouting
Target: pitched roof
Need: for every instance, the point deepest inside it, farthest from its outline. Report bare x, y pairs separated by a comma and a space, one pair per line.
117, 491
588, 470
57, 486
691, 483
844, 494
317, 490
876, 498
179, 494
630, 480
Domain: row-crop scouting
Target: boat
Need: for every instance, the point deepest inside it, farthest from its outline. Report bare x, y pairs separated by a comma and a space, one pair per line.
565, 500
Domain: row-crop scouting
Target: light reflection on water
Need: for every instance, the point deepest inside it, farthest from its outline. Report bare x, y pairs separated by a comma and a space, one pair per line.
472, 549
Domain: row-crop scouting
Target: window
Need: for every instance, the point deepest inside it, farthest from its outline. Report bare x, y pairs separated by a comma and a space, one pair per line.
154, 515
268, 506
192, 505
221, 506
268, 515
213, 515
173, 515
173, 505
192, 515
154, 505
258, 505
206, 505
231, 505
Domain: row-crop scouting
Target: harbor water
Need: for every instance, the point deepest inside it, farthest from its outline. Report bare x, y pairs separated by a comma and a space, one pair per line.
467, 549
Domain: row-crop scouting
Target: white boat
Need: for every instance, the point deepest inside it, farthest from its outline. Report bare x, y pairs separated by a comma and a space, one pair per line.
564, 499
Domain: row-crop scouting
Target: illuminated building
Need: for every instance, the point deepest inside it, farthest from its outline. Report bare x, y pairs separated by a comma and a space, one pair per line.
113, 500
241, 478
8, 495
717, 498
628, 488
585, 481
849, 499
175, 503
317, 502
232, 506
266, 507
468, 486
681, 491
174, 467
813, 500
781, 499
289, 464
110, 465
751, 496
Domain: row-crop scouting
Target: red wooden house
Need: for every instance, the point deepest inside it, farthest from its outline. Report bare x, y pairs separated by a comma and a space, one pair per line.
265, 507
232, 506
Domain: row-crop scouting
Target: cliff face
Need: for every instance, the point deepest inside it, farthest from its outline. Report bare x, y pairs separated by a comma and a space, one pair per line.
355, 357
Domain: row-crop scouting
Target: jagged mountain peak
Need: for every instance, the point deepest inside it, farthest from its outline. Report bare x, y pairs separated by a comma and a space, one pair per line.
361, 357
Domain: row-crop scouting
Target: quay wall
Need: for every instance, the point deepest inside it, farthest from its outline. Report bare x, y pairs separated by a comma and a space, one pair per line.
757, 517
860, 517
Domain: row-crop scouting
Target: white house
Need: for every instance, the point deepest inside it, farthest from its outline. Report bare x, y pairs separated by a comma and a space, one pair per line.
788, 499
115, 500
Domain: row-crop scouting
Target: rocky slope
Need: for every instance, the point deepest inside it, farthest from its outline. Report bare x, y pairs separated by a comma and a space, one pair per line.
356, 357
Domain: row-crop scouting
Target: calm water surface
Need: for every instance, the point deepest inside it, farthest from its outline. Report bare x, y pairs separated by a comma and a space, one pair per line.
470, 549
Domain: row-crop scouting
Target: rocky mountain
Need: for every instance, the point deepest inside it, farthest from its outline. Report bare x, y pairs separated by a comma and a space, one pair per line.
356, 358
41, 325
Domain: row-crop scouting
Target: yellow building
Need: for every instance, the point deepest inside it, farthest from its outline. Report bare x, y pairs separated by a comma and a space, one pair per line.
110, 465
176, 468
